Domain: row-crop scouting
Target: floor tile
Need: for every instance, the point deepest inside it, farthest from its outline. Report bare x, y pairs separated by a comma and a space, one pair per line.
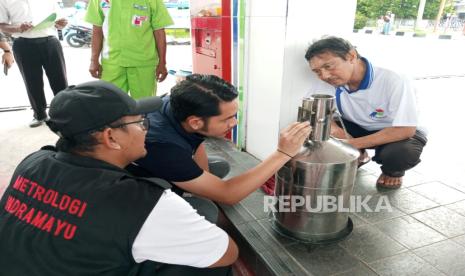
406, 264
372, 166
357, 221
260, 239
4, 182
323, 260
410, 202
365, 185
455, 179
460, 240
457, 185
267, 224
443, 220
458, 207
409, 232
446, 256
438, 192
370, 244
364, 171
413, 178
360, 270
279, 263
373, 213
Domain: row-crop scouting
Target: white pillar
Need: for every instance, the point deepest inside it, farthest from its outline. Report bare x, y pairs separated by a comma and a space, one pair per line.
421, 9
278, 75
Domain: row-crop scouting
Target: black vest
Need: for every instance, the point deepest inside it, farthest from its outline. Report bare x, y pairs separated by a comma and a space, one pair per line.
64, 214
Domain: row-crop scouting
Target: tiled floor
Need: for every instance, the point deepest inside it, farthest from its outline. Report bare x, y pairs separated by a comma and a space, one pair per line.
423, 235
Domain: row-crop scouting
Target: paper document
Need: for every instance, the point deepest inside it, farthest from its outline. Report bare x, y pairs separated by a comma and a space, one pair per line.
46, 23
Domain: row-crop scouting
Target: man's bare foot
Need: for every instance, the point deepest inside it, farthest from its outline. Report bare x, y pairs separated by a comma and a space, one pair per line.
389, 182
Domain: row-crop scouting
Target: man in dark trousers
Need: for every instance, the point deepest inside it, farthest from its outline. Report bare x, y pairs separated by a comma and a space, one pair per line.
36, 49
377, 106
205, 106
75, 210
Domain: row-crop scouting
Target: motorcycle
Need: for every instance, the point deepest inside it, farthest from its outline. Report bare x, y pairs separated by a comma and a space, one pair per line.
78, 36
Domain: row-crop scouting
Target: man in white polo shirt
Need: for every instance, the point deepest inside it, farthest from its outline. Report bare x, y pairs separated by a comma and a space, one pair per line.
377, 106
36, 47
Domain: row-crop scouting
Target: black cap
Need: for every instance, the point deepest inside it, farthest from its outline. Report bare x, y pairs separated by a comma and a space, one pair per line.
94, 105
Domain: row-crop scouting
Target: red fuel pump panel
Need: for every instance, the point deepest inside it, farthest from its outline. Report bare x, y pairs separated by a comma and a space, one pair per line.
211, 42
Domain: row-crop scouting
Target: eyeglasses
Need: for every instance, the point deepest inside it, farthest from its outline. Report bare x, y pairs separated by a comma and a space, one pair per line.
144, 124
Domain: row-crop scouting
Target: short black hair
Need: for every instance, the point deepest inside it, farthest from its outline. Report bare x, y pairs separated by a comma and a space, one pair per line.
200, 95
335, 45
83, 142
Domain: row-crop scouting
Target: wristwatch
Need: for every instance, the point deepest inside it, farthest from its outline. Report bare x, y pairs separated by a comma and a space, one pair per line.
7, 51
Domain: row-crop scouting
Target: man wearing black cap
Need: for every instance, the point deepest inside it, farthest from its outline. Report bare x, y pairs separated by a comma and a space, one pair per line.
74, 210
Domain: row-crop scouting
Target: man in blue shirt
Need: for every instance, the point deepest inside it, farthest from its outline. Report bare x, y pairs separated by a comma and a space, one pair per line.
205, 106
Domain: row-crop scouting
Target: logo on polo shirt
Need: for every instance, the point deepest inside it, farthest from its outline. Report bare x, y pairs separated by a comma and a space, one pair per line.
105, 4
378, 113
137, 20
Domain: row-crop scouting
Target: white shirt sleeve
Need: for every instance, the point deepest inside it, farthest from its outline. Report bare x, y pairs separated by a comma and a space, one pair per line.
403, 104
175, 233
4, 18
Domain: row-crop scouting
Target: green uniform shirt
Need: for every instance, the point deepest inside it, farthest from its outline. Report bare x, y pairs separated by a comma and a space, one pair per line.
128, 27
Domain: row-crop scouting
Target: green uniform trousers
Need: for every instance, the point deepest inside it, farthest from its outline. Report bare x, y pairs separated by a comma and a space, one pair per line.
139, 82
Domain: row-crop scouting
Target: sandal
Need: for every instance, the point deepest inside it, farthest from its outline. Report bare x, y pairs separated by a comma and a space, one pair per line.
383, 178
364, 158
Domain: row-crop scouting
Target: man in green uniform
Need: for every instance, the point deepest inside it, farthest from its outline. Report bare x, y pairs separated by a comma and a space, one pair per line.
129, 36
